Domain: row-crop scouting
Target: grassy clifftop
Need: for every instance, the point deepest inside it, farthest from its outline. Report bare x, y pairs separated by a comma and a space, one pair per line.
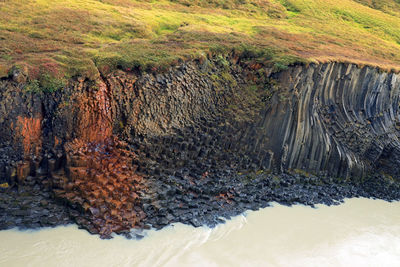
76, 37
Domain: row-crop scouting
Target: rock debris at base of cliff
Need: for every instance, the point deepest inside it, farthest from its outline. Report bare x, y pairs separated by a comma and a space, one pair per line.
204, 141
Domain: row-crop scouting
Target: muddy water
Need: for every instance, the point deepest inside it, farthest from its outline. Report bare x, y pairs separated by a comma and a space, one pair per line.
360, 232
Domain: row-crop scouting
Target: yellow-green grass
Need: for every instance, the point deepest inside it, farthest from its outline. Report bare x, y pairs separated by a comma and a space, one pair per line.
78, 37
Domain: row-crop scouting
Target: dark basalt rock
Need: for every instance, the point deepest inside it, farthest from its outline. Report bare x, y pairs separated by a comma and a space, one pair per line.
209, 143
30, 208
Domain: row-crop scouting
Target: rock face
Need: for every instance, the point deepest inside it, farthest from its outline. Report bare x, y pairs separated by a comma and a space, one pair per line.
135, 148
331, 119
334, 118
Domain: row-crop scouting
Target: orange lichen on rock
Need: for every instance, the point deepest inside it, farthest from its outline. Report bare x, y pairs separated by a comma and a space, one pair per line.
100, 179
225, 197
94, 119
23, 170
30, 130
105, 187
57, 141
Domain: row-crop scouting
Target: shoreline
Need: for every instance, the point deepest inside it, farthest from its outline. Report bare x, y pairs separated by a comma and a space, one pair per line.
183, 202
363, 232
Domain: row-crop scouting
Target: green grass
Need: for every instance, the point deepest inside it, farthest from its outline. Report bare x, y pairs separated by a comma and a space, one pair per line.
77, 38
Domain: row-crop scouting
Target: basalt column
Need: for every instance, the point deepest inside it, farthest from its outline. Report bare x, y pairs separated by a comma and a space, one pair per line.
116, 146
99, 177
336, 119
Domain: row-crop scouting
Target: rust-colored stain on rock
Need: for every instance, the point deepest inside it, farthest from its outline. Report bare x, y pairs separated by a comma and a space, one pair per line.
102, 181
95, 118
100, 178
30, 129
23, 170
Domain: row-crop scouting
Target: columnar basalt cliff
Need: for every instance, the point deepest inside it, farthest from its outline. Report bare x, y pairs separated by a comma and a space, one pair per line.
331, 119
336, 119
205, 139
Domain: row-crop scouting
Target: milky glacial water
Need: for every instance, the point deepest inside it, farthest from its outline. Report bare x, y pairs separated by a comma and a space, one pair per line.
361, 232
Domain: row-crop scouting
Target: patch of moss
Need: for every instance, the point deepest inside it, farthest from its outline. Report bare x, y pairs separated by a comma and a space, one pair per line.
3, 71
302, 172
33, 86
45, 83
4, 185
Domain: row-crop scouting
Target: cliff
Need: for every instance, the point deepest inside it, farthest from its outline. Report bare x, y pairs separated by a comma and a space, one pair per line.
118, 149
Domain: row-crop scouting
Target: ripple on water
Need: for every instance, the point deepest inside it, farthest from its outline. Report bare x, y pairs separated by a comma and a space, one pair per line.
361, 232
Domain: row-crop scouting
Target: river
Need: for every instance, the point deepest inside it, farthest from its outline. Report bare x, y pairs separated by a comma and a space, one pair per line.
360, 232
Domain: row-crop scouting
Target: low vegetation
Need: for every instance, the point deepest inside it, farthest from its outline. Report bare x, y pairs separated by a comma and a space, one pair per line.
71, 38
